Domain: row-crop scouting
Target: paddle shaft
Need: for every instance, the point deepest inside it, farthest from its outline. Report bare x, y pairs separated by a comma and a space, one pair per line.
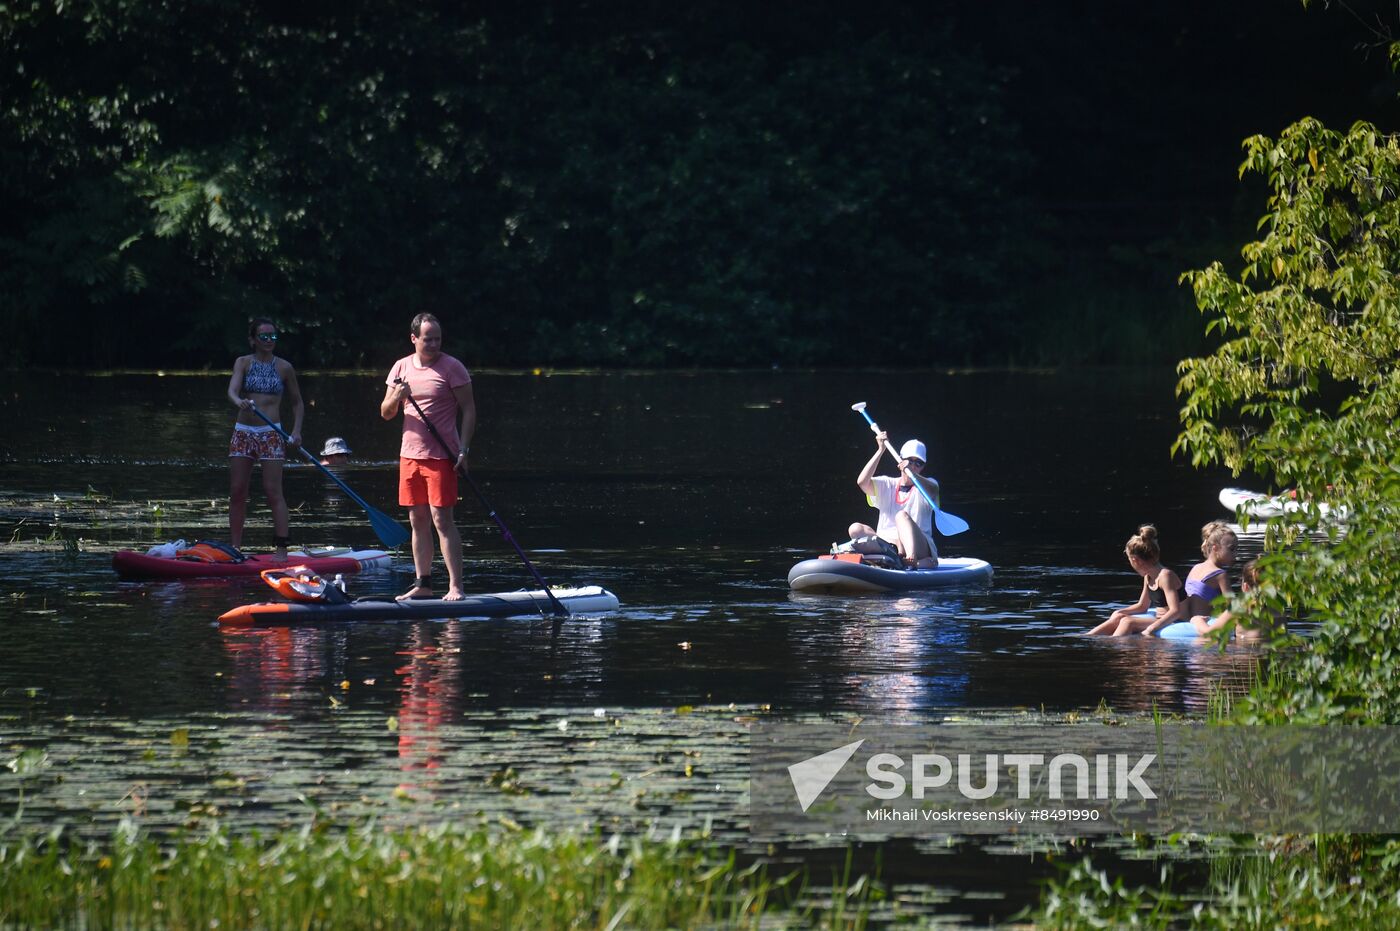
559, 608
948, 524
895, 453
390, 531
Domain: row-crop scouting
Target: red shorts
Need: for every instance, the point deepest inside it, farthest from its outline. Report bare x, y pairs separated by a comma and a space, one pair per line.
427, 481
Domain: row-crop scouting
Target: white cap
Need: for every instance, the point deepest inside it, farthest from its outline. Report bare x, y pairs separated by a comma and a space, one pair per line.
335, 446
914, 450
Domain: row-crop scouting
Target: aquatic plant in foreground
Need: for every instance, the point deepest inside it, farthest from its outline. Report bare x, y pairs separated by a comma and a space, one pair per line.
1250, 889
369, 877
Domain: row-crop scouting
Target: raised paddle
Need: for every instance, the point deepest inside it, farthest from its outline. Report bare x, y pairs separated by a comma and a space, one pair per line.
559, 609
947, 524
389, 531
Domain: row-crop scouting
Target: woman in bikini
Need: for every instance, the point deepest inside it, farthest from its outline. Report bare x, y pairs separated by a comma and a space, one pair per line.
1208, 580
1249, 581
261, 380
1162, 601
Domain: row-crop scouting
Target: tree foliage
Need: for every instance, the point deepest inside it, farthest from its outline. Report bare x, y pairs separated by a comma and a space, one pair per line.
574, 183
1305, 389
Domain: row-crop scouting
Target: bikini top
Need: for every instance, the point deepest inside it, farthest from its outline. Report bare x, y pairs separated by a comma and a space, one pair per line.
1200, 589
262, 378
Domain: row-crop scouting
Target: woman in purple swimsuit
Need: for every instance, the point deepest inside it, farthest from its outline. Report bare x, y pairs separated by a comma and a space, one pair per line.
261, 380
1249, 581
1208, 580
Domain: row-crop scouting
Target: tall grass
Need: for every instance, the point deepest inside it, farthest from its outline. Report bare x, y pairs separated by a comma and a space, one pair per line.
1251, 889
366, 877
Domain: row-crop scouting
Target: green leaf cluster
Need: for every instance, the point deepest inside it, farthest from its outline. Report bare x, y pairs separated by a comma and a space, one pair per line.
1304, 390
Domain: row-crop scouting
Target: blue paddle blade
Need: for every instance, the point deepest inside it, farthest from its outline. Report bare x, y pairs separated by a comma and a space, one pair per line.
389, 531
948, 524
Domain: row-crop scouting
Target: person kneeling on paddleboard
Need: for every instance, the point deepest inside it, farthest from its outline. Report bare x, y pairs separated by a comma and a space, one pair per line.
906, 519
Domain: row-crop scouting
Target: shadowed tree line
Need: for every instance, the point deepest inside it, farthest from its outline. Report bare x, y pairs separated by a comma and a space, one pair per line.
563, 183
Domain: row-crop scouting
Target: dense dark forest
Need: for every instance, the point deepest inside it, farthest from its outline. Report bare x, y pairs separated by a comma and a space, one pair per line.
641, 184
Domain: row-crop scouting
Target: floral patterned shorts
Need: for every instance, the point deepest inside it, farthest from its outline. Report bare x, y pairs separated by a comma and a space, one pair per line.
256, 443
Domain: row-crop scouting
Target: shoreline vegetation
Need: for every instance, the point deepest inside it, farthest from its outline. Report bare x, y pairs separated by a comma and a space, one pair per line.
631, 186
364, 875
500, 876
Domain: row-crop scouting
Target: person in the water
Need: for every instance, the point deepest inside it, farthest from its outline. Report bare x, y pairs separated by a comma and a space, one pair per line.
1208, 580
1163, 599
336, 453
1249, 582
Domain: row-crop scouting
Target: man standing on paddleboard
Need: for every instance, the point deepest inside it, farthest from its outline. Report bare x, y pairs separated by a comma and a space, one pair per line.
442, 386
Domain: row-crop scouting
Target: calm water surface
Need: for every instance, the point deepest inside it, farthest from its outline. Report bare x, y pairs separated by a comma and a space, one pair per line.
689, 495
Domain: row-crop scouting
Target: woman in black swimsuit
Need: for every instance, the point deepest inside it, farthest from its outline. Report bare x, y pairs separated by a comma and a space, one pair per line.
261, 380
1163, 598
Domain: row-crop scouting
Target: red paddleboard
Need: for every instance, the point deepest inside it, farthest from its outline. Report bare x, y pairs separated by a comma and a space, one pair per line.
133, 565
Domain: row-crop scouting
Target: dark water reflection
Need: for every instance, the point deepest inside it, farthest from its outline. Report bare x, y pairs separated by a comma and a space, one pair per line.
690, 495
698, 638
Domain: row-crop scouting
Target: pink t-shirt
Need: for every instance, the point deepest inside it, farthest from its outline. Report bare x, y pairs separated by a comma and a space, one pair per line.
432, 388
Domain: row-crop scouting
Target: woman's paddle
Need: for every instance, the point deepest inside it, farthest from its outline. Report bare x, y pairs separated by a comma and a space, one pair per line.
559, 609
389, 531
947, 524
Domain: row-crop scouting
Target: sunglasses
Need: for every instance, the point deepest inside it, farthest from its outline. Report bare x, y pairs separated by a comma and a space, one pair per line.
268, 337
916, 462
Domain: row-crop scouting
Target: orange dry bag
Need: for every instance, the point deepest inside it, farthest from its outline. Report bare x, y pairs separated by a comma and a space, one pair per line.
300, 583
210, 551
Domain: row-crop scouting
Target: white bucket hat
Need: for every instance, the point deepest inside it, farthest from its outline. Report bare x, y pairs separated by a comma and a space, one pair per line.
914, 449
335, 446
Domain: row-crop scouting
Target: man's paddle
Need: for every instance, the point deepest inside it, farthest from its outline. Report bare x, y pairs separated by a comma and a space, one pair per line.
947, 524
559, 609
389, 531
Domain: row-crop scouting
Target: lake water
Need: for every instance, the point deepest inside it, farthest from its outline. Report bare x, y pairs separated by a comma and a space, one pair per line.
690, 495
